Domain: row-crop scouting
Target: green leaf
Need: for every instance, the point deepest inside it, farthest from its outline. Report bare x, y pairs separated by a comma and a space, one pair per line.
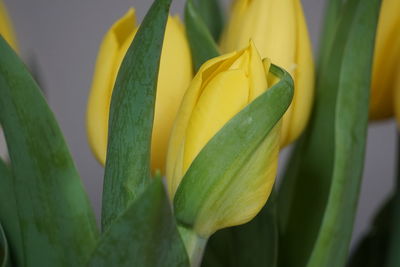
211, 13
332, 15
4, 251
201, 42
57, 223
319, 194
144, 235
372, 250
215, 175
253, 244
131, 115
9, 214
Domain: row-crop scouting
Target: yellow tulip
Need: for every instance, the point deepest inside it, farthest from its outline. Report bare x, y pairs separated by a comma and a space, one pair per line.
6, 29
386, 60
175, 75
279, 31
222, 88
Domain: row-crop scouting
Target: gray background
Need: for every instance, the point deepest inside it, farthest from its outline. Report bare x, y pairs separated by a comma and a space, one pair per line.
62, 38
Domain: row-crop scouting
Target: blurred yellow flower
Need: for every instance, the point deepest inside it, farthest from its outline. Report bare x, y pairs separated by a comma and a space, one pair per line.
174, 76
386, 67
222, 88
279, 31
6, 29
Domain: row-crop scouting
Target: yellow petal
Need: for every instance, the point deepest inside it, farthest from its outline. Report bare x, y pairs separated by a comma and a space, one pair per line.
103, 83
296, 117
174, 77
386, 60
262, 21
222, 99
6, 29
222, 87
174, 171
279, 31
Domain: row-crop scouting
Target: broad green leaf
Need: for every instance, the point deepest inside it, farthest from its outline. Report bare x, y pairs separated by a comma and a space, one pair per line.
212, 15
9, 214
144, 235
319, 194
57, 223
225, 163
253, 244
131, 115
201, 42
4, 250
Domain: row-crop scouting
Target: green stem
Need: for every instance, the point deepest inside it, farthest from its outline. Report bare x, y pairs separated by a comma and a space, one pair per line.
194, 244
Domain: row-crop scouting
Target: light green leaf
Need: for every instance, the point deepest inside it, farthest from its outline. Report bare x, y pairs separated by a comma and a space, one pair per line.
201, 42
9, 214
319, 194
208, 193
131, 115
57, 223
144, 235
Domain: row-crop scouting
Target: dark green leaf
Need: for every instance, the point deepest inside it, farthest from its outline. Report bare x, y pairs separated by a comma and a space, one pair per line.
211, 13
201, 42
254, 244
132, 114
372, 250
212, 173
56, 220
144, 235
319, 194
4, 251
9, 214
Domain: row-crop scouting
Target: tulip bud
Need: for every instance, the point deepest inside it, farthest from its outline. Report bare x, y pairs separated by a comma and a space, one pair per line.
223, 88
386, 60
175, 75
5, 27
279, 31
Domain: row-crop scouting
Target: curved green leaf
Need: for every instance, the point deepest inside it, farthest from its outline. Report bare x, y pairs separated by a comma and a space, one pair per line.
319, 194
9, 214
201, 42
215, 170
4, 253
131, 115
212, 15
57, 223
253, 244
144, 235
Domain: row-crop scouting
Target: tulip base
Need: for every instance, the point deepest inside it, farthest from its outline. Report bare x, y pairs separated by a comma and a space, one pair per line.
194, 245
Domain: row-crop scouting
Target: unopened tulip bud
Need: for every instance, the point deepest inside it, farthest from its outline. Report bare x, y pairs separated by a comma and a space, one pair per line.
174, 76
